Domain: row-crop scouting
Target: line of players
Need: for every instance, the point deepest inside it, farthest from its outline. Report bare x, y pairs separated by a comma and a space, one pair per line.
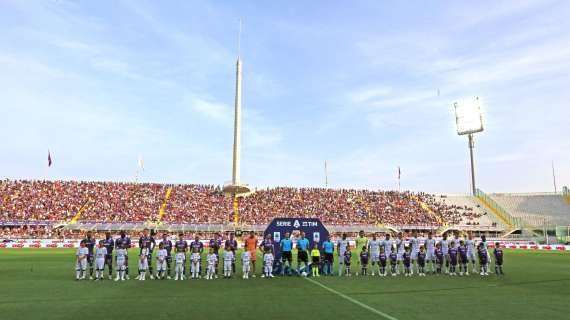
385, 256
100, 255
393, 256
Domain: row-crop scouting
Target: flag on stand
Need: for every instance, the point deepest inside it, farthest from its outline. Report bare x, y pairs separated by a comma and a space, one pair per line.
399, 176
141, 163
49, 159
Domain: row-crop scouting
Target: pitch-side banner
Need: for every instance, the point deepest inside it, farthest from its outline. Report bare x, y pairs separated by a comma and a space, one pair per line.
50, 243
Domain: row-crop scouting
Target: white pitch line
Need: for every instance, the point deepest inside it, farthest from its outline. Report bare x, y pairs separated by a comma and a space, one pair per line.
342, 295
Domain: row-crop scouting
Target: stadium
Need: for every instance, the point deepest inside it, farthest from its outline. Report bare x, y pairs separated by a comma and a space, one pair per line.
90, 235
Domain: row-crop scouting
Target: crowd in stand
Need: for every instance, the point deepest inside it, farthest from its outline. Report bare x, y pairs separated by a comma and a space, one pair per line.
197, 204
26, 232
336, 207
452, 214
206, 204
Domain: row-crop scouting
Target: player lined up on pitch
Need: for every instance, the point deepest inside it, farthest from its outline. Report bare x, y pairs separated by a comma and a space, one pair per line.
383, 257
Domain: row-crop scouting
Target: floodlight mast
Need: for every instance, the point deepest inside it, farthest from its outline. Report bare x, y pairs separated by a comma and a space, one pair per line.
469, 121
471, 146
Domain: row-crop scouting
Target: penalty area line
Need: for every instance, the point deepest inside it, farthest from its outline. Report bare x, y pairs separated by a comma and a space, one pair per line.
356, 302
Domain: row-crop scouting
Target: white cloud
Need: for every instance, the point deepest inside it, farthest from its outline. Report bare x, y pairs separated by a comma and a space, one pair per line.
364, 95
218, 112
79, 46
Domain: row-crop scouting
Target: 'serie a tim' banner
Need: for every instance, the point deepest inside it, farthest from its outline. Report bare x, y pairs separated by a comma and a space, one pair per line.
314, 231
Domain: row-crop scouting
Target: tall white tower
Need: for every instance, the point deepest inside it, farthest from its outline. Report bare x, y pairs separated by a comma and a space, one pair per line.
236, 187
237, 126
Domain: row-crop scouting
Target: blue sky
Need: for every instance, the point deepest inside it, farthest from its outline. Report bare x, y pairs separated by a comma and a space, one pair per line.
101, 83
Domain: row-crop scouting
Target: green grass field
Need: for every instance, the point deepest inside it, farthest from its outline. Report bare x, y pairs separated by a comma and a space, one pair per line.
39, 284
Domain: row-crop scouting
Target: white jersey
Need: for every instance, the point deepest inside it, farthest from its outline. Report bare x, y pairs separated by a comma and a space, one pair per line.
375, 247
388, 246
180, 257
444, 246
212, 259
228, 256
144, 252
100, 253
81, 255
161, 260
143, 261
343, 244
268, 259
195, 257
430, 245
456, 243
161, 255
121, 256
470, 245
82, 252
400, 243
415, 244
245, 257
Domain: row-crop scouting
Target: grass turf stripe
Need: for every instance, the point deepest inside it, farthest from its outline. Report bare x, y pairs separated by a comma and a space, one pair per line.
358, 303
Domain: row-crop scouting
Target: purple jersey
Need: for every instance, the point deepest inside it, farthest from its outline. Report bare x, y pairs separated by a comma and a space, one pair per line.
123, 242
90, 244
383, 259
498, 253
109, 244
462, 253
482, 255
267, 246
439, 256
167, 246
421, 259
197, 246
215, 244
364, 257
453, 256
181, 246
147, 242
232, 244
347, 257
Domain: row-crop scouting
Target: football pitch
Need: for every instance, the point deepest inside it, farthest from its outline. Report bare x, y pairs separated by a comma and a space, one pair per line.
39, 284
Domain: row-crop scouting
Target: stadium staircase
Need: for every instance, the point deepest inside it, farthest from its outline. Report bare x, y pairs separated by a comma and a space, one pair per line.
387, 227
162, 210
443, 229
84, 207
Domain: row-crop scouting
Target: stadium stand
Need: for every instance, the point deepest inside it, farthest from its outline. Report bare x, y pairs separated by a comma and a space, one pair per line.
111, 205
535, 209
467, 210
